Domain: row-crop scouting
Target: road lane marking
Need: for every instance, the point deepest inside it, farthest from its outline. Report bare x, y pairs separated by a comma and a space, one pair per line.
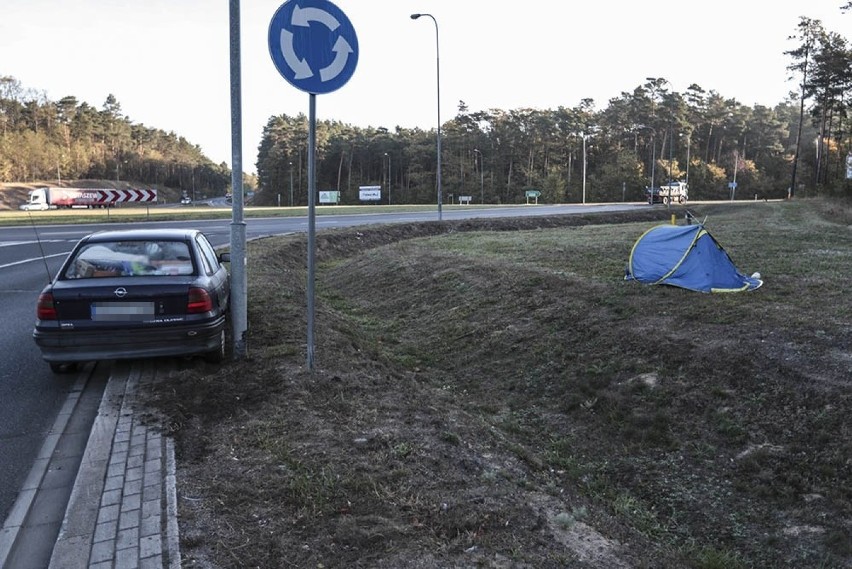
22, 261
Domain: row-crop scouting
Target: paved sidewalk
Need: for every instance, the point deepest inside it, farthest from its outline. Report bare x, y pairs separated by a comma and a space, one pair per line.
123, 509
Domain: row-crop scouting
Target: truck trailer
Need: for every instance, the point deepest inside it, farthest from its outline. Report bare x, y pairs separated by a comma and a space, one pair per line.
49, 197
668, 193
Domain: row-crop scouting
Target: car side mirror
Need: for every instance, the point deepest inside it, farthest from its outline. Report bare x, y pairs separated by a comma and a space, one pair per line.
224, 257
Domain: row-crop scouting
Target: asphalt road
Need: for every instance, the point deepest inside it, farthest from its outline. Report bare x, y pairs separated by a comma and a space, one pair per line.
31, 395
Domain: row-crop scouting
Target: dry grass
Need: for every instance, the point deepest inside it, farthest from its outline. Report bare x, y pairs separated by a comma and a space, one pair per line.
494, 394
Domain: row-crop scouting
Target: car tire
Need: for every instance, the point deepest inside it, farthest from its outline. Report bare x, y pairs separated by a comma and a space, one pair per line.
62, 368
217, 356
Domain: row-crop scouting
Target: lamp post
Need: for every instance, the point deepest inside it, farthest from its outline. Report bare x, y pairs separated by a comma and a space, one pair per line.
389, 178
481, 177
653, 163
736, 167
291, 184
671, 145
438, 83
585, 136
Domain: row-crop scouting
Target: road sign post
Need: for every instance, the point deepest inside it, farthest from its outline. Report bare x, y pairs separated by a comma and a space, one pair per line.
314, 47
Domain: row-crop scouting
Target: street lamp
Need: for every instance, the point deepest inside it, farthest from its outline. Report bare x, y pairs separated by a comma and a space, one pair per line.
653, 162
671, 146
481, 177
389, 178
438, 83
736, 167
291, 184
585, 136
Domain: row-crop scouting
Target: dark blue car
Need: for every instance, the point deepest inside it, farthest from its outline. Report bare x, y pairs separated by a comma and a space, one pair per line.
135, 294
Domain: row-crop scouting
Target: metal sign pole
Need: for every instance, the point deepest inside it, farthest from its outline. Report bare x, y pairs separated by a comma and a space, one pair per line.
296, 48
312, 138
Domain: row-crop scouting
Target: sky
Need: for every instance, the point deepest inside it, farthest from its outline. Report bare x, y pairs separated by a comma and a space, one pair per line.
168, 61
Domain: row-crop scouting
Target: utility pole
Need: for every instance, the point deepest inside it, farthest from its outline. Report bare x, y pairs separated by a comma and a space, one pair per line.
481, 177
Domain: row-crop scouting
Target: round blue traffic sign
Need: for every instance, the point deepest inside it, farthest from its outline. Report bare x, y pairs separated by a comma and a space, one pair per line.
313, 45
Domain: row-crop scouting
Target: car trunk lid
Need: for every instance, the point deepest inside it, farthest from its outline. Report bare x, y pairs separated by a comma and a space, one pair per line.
120, 303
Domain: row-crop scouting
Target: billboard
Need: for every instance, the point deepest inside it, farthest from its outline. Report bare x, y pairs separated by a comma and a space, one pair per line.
370, 193
329, 196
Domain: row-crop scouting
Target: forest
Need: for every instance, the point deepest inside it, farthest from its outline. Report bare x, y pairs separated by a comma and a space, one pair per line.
54, 140
645, 137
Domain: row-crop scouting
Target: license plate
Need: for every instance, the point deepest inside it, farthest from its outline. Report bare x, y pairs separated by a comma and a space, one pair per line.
122, 311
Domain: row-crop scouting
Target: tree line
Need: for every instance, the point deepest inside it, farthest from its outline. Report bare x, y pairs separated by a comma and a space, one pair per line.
44, 140
648, 136
645, 137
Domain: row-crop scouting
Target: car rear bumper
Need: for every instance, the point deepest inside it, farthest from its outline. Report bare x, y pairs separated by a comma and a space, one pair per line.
61, 346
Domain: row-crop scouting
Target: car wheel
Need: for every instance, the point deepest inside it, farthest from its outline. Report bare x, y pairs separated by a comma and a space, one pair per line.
62, 368
217, 356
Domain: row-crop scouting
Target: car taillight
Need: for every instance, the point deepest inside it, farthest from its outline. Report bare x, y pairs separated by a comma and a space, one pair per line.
45, 309
199, 301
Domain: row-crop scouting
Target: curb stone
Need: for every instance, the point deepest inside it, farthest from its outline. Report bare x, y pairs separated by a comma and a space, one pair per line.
122, 513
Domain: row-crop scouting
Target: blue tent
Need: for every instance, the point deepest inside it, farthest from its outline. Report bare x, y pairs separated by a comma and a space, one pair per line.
686, 256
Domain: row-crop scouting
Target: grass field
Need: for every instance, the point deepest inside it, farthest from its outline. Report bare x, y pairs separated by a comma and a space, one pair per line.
494, 394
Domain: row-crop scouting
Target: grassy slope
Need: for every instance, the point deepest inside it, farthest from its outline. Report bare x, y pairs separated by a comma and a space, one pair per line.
496, 395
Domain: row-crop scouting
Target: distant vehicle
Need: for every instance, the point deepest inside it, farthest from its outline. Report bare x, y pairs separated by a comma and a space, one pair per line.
45, 198
668, 193
135, 294
185, 200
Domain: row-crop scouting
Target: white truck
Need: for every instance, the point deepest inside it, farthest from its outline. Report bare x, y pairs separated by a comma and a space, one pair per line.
668, 193
48, 197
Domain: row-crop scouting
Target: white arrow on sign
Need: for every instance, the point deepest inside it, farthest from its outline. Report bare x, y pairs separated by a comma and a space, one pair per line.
299, 66
303, 17
341, 49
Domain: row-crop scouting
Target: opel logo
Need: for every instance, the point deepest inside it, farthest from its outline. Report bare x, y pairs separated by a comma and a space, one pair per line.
120, 292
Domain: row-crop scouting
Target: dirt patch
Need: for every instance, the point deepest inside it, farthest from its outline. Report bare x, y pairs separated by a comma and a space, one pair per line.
493, 394
12, 196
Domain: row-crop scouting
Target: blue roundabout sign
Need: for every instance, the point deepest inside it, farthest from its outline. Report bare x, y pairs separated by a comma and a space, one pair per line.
313, 45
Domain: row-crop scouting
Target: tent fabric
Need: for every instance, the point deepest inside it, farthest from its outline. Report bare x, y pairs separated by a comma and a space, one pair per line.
686, 256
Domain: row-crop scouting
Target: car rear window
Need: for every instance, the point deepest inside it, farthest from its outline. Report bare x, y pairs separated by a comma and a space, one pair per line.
129, 259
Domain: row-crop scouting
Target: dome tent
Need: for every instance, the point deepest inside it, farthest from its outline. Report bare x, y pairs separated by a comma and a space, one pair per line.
686, 256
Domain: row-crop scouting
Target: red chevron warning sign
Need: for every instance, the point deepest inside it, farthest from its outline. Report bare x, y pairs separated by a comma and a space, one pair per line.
129, 196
